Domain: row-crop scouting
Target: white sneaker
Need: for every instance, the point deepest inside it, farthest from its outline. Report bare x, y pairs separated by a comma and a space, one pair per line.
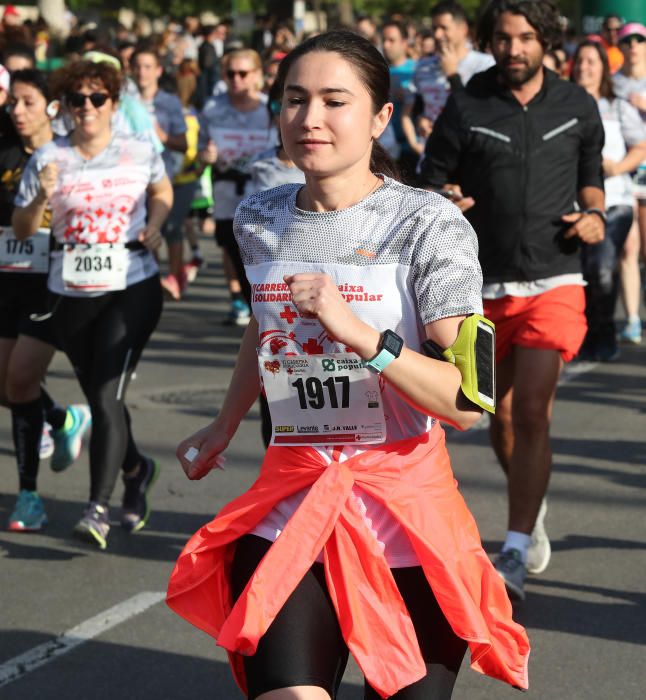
540, 551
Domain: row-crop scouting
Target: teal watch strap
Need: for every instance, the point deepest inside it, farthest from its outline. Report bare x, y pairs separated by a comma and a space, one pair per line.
380, 361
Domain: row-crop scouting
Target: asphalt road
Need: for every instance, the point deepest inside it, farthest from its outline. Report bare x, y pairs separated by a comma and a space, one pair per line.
586, 615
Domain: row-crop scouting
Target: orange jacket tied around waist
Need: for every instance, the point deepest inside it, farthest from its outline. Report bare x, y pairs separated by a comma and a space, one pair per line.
413, 479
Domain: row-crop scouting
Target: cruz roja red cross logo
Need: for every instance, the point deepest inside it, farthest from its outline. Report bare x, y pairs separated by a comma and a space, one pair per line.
288, 315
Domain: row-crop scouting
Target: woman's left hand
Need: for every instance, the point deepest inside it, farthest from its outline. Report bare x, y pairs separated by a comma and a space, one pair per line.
315, 295
151, 237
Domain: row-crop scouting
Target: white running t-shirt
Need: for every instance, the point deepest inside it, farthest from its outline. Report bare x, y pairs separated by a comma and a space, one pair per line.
402, 258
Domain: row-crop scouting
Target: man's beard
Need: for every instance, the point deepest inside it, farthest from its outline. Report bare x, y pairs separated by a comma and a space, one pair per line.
518, 76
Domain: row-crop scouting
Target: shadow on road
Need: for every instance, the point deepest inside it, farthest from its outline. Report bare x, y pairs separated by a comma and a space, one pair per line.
104, 671
161, 540
613, 620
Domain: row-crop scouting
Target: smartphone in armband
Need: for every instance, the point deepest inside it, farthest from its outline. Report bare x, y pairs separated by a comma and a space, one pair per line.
474, 354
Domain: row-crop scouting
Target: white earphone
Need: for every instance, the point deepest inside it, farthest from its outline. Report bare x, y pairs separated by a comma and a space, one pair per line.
52, 108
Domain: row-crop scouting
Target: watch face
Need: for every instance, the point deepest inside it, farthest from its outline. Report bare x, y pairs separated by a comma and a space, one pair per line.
392, 343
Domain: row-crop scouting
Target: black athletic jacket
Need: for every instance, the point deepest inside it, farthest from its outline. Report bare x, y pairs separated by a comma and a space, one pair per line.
523, 166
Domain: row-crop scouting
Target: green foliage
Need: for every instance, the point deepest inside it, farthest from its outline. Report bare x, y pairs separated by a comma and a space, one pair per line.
414, 9
158, 8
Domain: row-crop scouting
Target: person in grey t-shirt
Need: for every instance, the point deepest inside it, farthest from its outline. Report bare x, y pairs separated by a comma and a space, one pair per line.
452, 66
168, 118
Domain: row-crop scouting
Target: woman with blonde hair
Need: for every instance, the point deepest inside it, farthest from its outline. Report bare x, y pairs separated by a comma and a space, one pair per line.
234, 127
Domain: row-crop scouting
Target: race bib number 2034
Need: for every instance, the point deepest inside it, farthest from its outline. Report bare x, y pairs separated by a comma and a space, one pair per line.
97, 267
322, 400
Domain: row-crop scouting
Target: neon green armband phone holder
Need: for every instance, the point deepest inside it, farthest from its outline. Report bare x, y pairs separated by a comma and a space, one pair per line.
474, 354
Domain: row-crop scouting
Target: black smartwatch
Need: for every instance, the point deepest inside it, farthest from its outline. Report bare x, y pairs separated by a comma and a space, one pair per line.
390, 347
599, 212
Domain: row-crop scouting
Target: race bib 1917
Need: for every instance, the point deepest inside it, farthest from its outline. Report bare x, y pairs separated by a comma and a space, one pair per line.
322, 400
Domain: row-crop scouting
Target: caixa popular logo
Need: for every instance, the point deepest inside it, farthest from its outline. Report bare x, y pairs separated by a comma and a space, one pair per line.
328, 365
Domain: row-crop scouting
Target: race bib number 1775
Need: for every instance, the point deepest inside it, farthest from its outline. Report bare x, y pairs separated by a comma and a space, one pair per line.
30, 255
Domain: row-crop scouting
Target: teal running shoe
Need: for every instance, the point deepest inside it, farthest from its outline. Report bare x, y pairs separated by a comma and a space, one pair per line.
240, 314
29, 514
68, 440
631, 332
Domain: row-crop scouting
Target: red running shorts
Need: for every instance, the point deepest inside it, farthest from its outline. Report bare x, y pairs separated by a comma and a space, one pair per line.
554, 320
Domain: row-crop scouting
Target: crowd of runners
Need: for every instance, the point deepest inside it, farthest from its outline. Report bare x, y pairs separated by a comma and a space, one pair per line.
382, 195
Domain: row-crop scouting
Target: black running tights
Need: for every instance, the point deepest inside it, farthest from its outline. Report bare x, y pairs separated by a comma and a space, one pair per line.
304, 646
104, 337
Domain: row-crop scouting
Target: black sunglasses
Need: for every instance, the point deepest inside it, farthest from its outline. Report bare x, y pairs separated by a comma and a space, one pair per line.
77, 99
633, 37
231, 74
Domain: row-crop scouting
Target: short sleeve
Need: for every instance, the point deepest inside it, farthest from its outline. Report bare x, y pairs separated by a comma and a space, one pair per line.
410, 90
177, 121
204, 119
590, 172
157, 168
29, 184
632, 126
446, 274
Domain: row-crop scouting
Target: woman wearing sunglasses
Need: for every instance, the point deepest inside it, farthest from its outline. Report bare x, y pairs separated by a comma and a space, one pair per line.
233, 128
26, 346
109, 196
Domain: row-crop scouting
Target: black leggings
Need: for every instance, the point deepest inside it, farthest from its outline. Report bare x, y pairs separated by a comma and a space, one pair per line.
104, 337
304, 645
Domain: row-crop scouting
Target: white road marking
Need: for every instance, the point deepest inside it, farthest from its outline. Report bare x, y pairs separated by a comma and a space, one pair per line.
15, 668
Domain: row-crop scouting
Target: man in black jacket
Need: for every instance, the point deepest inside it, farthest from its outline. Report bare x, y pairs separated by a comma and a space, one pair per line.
523, 151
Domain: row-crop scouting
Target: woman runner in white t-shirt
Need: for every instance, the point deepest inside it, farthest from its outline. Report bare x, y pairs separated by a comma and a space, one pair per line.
109, 195
354, 537
234, 126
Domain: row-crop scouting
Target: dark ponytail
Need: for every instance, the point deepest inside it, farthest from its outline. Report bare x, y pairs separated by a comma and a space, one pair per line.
371, 68
382, 162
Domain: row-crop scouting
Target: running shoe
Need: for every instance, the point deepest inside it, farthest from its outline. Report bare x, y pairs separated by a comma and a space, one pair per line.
540, 551
192, 268
135, 508
240, 314
511, 569
46, 442
631, 332
608, 351
69, 439
29, 514
171, 287
94, 526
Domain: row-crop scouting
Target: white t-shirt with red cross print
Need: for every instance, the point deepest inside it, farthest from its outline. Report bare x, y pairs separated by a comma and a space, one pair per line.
97, 200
